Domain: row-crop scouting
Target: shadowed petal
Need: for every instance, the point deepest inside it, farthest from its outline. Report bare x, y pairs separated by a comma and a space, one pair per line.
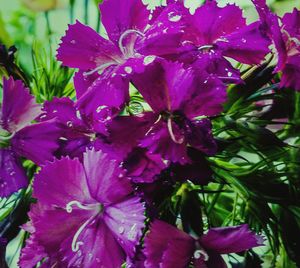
291, 23
162, 244
291, 73
83, 48
18, 106
12, 174
37, 142
226, 240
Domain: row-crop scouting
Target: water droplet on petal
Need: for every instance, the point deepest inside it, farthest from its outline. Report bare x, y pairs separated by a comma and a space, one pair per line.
174, 17
69, 124
244, 40
148, 60
229, 74
73, 42
100, 108
128, 69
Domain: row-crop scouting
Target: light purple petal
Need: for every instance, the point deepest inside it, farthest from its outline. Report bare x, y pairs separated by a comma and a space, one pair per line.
226, 240
18, 106
37, 142
126, 221
83, 48
103, 174
248, 45
12, 174
160, 245
118, 16
49, 190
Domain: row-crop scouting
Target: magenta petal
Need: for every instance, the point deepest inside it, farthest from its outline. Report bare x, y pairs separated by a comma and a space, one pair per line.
159, 141
12, 174
165, 34
37, 142
216, 22
100, 248
18, 106
162, 244
99, 165
126, 221
291, 22
109, 92
226, 240
165, 85
248, 45
119, 16
32, 253
83, 48
83, 82
291, 73
74, 186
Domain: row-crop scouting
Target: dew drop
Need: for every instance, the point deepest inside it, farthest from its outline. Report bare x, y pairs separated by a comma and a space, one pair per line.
73, 42
244, 40
229, 74
148, 60
128, 69
100, 108
69, 124
174, 17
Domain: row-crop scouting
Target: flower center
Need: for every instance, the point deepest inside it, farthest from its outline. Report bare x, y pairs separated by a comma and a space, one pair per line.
128, 50
69, 208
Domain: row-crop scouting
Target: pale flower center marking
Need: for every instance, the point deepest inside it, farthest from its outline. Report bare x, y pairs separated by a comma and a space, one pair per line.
201, 253
178, 141
123, 36
96, 207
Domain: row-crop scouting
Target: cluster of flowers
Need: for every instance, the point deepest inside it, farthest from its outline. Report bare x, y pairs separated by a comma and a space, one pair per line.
95, 150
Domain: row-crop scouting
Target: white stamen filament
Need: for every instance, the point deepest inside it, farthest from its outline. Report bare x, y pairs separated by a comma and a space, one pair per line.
75, 243
124, 35
180, 141
99, 68
205, 47
7, 138
157, 120
199, 253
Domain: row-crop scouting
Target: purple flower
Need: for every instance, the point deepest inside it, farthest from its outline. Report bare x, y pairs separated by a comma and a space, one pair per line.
167, 246
18, 138
181, 103
132, 39
285, 37
104, 219
214, 33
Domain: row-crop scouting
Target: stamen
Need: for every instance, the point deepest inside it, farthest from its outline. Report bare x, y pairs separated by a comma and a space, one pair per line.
69, 208
7, 138
150, 129
124, 35
76, 244
99, 68
201, 253
205, 47
180, 141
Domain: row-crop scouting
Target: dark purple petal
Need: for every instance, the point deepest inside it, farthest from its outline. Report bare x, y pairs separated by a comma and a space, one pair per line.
291, 73
248, 45
143, 167
12, 174
215, 260
224, 240
199, 135
18, 106
164, 85
49, 190
84, 48
162, 243
216, 22
37, 142
291, 23
158, 140
118, 16
126, 221
100, 165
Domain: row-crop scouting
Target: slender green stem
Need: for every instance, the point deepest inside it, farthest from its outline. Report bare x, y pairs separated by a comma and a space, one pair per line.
86, 11
215, 199
98, 28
